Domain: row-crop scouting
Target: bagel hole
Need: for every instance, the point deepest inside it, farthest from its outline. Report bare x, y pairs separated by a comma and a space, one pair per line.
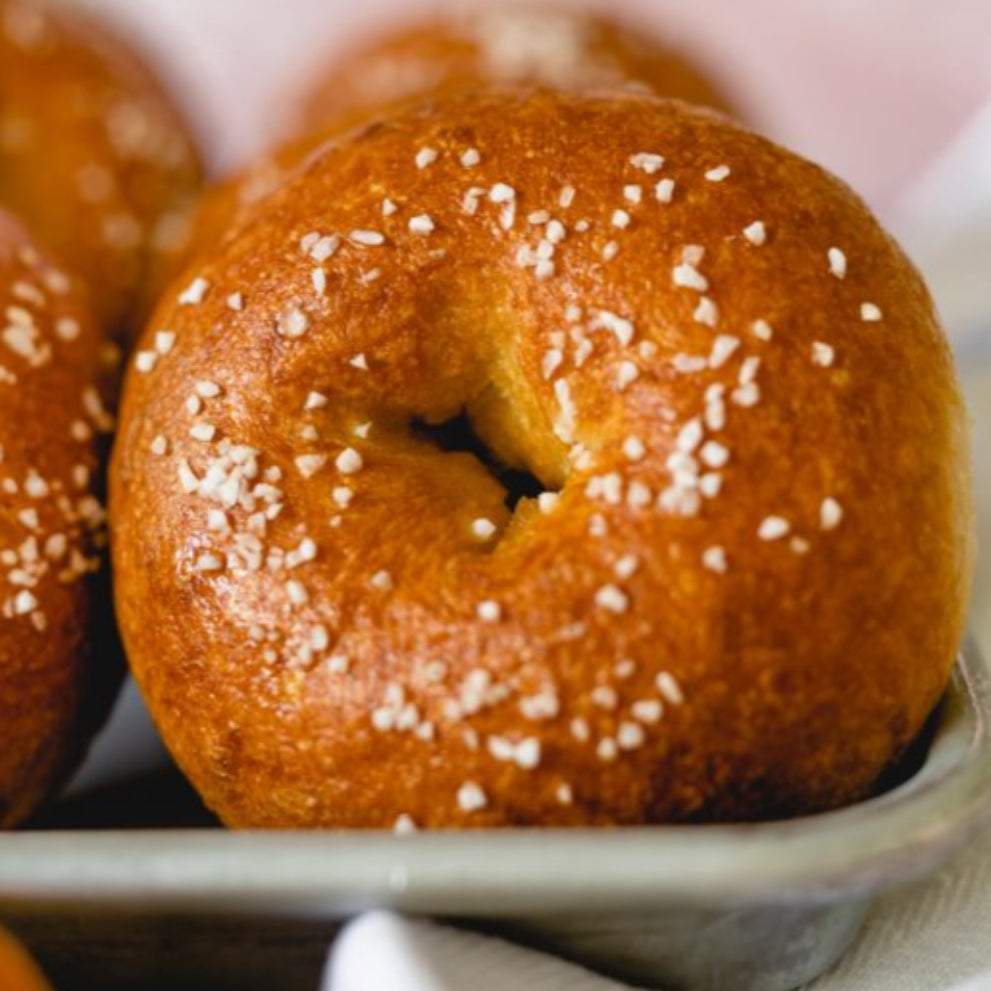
459, 435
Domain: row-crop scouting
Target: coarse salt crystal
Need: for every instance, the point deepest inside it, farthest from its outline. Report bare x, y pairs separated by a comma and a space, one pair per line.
774, 528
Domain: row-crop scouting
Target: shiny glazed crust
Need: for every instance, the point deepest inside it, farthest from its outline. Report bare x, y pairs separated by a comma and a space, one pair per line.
509, 44
55, 683
92, 154
739, 596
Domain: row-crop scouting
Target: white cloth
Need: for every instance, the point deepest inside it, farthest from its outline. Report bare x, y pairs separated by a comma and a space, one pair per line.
927, 938
384, 952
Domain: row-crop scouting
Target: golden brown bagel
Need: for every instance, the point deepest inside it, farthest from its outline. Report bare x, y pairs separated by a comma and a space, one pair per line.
745, 592
55, 687
17, 970
508, 44
92, 154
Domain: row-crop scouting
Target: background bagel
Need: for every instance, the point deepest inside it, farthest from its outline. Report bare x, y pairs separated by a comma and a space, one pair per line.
58, 675
93, 156
741, 591
507, 44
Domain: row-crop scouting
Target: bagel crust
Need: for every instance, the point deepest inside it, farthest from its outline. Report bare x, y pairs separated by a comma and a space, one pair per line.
55, 685
742, 589
508, 45
93, 156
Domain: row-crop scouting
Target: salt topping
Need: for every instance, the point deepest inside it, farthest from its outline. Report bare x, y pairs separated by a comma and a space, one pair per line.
755, 233
292, 323
203, 432
612, 598
647, 162
194, 293
349, 462
706, 312
483, 529
471, 798
688, 277
382, 580
722, 350
774, 528
714, 558
622, 328
823, 355
607, 749
489, 611
404, 825
830, 514
669, 688
366, 238
664, 190
421, 224
309, 464
762, 330
633, 449
630, 736
425, 157
837, 262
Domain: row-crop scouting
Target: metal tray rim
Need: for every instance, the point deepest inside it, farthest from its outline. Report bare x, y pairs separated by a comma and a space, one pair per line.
844, 854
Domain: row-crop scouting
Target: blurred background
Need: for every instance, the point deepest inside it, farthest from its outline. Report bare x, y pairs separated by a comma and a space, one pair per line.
892, 95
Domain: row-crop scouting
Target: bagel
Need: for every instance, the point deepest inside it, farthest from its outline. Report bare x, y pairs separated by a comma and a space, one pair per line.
507, 44
56, 684
17, 971
543, 458
93, 156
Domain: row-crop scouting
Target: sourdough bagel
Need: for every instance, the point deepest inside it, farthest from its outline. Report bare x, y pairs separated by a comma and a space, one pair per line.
508, 44
55, 688
17, 970
733, 584
92, 154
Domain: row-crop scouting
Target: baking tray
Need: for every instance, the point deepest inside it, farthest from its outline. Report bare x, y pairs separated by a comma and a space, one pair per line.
762, 907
